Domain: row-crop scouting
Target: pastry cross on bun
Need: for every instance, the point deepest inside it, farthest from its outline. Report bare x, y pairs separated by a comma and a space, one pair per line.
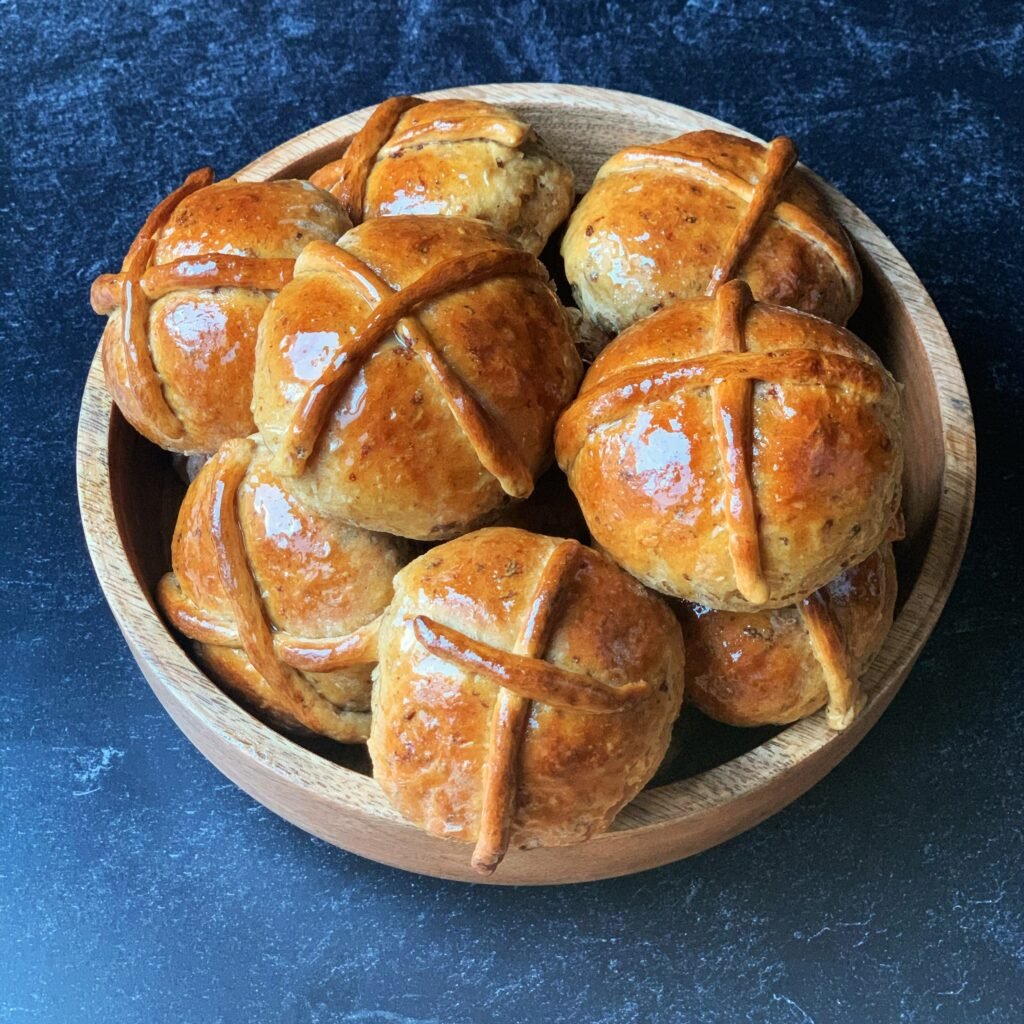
735, 454
409, 378
672, 220
283, 605
775, 667
453, 157
526, 691
180, 340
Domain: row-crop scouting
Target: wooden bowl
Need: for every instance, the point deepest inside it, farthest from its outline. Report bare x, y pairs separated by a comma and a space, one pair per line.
726, 780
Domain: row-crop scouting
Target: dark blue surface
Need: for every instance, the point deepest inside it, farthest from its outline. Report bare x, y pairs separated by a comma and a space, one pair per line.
136, 884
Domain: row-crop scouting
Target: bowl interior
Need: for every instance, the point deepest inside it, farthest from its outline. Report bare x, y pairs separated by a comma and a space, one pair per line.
699, 744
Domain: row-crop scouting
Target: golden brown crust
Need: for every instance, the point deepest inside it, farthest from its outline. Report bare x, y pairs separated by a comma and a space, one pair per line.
511, 713
731, 401
127, 360
395, 312
779, 159
216, 270
462, 158
346, 178
830, 646
463, 756
775, 667
670, 221
647, 448
178, 349
528, 677
409, 378
281, 602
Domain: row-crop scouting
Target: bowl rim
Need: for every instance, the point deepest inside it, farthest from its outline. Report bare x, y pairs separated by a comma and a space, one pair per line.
189, 694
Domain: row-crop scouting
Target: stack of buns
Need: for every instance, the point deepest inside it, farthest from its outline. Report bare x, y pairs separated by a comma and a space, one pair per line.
377, 372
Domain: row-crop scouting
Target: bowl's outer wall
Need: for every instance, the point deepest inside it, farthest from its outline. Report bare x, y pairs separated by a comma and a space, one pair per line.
346, 808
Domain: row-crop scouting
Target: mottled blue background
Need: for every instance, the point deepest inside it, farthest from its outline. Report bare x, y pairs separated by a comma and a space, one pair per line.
136, 884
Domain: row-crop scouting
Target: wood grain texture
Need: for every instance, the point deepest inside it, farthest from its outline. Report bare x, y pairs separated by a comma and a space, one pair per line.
346, 808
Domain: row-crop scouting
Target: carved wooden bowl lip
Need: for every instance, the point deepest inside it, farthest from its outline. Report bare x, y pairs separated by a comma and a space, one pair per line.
661, 824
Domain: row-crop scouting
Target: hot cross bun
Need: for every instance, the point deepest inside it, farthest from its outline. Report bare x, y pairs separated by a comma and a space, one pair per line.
735, 454
452, 157
409, 378
672, 220
774, 667
179, 345
282, 604
526, 691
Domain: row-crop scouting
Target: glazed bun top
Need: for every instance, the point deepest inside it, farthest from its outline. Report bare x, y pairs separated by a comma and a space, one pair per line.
735, 454
296, 595
775, 667
453, 157
671, 220
178, 350
409, 378
526, 691
252, 219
